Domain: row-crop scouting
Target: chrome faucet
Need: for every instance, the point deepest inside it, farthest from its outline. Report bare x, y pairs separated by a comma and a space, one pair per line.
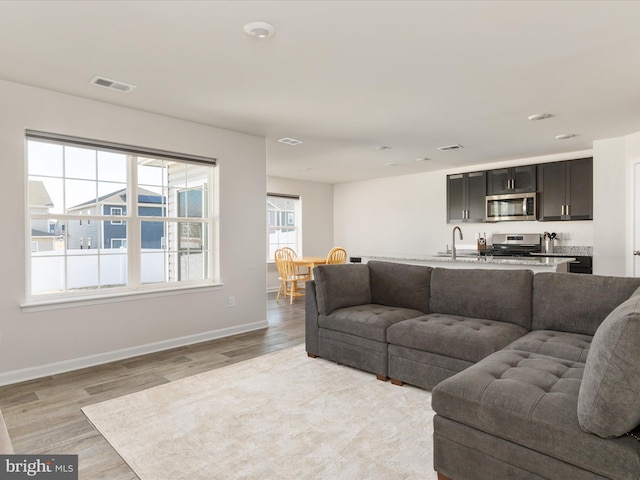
453, 244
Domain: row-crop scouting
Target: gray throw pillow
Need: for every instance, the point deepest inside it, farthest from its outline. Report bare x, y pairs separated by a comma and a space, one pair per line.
609, 397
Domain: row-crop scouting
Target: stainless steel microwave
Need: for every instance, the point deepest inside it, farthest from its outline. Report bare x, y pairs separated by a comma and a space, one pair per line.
512, 206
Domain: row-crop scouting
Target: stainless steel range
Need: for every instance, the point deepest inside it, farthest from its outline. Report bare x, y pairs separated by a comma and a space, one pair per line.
514, 244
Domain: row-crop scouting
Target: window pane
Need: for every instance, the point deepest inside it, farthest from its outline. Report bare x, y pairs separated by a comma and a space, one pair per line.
47, 272
83, 235
152, 172
152, 266
192, 265
47, 235
112, 167
114, 233
45, 195
152, 235
82, 271
110, 194
79, 163
80, 196
113, 270
44, 158
283, 217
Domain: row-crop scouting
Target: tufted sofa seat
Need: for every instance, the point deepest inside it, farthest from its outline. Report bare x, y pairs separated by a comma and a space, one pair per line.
529, 401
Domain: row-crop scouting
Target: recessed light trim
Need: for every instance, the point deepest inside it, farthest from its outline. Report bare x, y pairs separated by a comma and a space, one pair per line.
104, 82
565, 136
290, 141
422, 159
456, 146
383, 147
539, 116
261, 30
392, 164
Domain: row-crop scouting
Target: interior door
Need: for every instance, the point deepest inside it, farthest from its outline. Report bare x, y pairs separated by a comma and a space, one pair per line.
636, 219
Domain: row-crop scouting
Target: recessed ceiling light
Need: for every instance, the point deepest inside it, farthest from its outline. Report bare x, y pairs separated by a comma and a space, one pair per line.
538, 116
451, 147
259, 29
422, 159
383, 147
393, 164
564, 136
290, 141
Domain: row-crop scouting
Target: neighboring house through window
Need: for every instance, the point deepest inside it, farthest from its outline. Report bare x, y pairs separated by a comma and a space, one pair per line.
106, 218
283, 223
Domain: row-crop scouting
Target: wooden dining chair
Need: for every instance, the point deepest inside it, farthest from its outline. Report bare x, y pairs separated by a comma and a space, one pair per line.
337, 255
288, 276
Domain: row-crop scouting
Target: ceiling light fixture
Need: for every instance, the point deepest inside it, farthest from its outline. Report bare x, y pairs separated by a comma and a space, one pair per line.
259, 29
290, 141
538, 116
564, 136
383, 147
393, 164
422, 159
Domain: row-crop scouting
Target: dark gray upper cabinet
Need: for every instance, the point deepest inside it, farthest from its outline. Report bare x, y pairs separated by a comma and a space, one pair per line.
511, 180
566, 190
466, 194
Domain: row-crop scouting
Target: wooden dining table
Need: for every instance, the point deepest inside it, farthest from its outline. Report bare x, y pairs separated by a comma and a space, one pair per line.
309, 262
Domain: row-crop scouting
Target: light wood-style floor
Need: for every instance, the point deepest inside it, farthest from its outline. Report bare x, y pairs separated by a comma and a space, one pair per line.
43, 416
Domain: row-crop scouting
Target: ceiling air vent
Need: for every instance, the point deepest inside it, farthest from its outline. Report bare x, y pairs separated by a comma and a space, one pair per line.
451, 147
290, 141
112, 84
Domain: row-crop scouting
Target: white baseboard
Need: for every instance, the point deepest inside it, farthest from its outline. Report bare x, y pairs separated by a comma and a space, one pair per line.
16, 376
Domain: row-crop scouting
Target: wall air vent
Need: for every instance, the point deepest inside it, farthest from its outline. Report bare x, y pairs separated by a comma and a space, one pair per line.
112, 84
290, 141
451, 147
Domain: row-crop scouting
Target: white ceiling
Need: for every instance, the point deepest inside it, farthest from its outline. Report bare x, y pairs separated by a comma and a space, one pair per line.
347, 76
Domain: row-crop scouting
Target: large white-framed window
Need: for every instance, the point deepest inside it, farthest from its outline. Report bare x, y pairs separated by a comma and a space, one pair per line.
120, 218
283, 223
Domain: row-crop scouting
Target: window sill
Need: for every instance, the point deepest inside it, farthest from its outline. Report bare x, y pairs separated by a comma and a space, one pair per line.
70, 302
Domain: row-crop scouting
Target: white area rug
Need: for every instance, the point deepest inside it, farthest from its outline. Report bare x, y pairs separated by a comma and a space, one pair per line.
282, 416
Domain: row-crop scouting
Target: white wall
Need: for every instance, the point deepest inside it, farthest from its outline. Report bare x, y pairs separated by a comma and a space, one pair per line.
609, 206
407, 214
40, 342
317, 218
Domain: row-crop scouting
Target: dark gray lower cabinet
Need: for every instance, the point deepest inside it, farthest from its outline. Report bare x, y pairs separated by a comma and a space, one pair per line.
566, 190
466, 194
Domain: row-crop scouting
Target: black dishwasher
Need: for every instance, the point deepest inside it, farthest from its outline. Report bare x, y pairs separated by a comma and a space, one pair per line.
581, 264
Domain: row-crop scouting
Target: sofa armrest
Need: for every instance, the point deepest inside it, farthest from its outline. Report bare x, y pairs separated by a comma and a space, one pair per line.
311, 318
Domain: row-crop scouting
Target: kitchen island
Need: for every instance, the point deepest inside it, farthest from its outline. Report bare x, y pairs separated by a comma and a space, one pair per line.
536, 264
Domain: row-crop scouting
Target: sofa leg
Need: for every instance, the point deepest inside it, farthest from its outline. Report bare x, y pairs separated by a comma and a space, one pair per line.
382, 378
395, 381
312, 355
442, 477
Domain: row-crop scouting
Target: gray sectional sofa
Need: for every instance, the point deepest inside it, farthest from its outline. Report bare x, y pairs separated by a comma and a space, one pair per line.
532, 376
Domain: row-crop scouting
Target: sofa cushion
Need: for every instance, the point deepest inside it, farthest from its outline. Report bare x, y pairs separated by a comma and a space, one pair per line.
570, 346
464, 338
503, 295
609, 400
367, 321
531, 400
399, 285
339, 286
577, 303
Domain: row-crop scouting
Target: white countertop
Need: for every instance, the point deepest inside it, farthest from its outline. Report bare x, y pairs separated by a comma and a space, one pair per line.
475, 259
